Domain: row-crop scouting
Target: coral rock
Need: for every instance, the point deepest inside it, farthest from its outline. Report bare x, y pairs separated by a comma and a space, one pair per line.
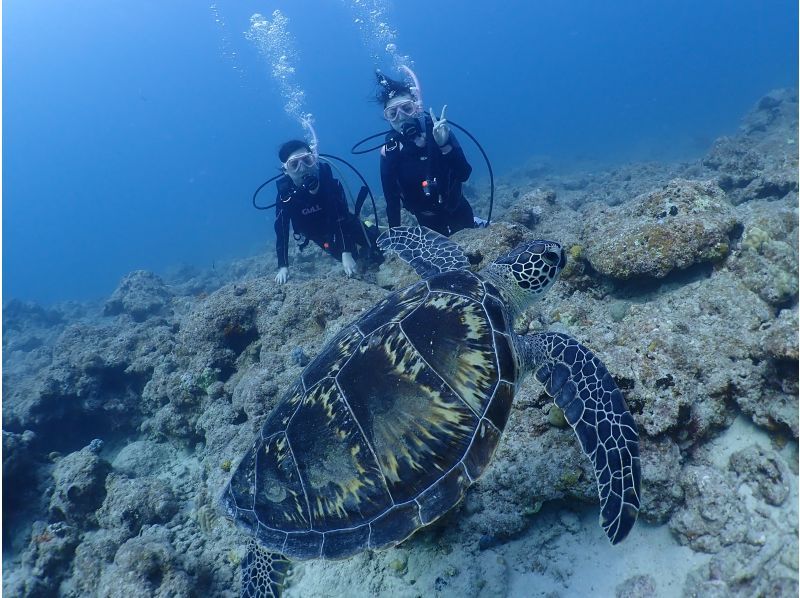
79, 486
140, 294
686, 223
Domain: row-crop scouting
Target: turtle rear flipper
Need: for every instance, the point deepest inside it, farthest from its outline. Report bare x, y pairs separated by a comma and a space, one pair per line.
426, 251
263, 572
595, 408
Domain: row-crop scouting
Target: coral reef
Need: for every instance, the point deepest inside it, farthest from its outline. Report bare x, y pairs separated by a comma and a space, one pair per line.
733, 515
527, 209
682, 277
141, 294
132, 503
767, 259
761, 162
146, 566
46, 561
79, 486
686, 223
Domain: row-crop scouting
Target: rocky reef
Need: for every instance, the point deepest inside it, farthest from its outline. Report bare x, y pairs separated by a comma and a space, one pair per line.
122, 421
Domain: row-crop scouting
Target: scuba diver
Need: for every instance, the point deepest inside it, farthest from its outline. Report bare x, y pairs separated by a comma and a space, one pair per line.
313, 202
423, 165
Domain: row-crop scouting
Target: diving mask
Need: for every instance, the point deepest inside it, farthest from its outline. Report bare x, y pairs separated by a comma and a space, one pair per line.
404, 109
295, 163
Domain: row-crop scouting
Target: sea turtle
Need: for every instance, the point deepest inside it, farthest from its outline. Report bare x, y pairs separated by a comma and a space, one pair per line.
401, 412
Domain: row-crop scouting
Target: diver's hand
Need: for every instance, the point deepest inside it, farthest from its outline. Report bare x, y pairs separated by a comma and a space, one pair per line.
349, 264
282, 275
441, 130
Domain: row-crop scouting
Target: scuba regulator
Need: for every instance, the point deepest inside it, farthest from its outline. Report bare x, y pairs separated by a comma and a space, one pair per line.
411, 129
310, 181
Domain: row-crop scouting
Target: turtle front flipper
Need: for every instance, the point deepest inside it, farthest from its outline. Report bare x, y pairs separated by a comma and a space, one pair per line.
595, 408
263, 572
426, 251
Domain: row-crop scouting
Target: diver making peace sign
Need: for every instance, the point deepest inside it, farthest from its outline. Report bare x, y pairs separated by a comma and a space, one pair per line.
422, 164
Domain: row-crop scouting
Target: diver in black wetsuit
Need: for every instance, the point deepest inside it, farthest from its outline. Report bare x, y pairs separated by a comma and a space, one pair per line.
422, 164
313, 202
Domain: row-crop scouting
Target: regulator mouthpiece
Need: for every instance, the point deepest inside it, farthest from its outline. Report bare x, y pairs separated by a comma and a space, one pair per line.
310, 181
410, 130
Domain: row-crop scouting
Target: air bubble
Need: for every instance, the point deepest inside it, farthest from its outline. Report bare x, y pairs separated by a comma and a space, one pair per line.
377, 34
276, 44
225, 41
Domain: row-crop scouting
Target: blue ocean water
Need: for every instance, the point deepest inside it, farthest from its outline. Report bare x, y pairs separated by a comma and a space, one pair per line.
134, 133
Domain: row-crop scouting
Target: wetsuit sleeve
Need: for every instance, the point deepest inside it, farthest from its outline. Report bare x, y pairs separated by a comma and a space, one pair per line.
391, 191
457, 161
342, 217
281, 234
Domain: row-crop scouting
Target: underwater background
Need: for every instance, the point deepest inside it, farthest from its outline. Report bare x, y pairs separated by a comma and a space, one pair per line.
145, 340
134, 134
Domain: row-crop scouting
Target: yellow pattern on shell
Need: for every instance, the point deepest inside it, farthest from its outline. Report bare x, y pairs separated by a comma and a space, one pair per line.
337, 479
465, 359
403, 433
279, 493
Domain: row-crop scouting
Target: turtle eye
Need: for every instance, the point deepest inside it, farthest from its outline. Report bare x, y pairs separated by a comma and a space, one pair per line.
551, 257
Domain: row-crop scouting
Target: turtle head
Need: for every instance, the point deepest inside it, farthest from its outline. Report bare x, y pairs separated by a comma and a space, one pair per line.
527, 272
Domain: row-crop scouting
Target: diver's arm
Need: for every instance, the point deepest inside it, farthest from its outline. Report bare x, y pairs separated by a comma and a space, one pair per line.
281, 234
342, 217
456, 160
391, 191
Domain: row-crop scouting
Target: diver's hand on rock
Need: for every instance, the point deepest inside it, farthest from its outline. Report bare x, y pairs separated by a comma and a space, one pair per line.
282, 275
349, 264
441, 130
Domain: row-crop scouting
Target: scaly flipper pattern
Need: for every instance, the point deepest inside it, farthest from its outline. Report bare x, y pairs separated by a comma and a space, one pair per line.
426, 251
263, 572
595, 408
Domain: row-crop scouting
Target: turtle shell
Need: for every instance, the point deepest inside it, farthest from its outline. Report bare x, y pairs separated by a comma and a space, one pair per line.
386, 428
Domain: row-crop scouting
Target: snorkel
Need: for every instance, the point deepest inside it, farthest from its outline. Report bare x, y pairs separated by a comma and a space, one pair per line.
411, 123
307, 121
413, 127
416, 89
308, 177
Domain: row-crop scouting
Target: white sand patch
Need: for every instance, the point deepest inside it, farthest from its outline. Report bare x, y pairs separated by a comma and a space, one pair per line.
585, 564
741, 434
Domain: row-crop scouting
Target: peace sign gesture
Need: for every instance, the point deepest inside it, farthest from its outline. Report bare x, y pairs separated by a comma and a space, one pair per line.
441, 130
